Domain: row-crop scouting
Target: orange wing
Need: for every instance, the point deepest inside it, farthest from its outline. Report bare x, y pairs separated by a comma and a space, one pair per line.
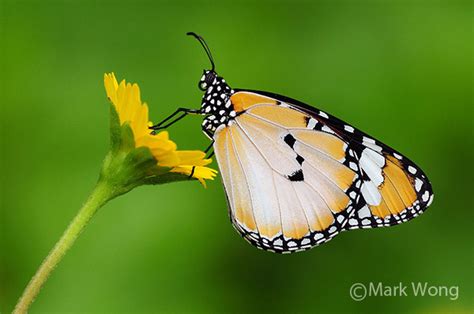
296, 176
287, 186
393, 188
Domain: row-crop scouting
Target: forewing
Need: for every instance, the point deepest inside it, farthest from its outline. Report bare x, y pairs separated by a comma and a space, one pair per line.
393, 189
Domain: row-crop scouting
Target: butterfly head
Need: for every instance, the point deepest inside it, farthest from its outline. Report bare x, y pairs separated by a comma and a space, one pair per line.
211, 83
208, 79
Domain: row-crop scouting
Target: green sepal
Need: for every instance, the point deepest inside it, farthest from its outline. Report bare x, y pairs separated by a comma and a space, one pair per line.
121, 136
115, 131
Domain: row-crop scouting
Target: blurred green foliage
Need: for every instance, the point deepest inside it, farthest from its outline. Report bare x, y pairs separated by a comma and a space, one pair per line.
400, 70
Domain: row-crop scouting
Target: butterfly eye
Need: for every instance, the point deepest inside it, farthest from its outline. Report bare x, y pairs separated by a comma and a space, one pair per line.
202, 86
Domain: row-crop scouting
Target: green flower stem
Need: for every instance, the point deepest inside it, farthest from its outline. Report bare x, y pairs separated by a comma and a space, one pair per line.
101, 194
125, 167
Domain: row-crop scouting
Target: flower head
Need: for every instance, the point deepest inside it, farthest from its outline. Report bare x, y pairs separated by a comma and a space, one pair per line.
154, 155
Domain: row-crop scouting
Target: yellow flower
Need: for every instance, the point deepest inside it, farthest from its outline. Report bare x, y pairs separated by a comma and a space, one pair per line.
126, 100
135, 158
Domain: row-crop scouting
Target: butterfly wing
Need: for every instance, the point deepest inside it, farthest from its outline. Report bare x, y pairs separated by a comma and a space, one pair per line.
288, 187
295, 176
405, 191
394, 189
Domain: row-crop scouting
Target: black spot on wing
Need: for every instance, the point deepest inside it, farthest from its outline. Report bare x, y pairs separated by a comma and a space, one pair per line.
299, 159
306, 120
296, 176
290, 140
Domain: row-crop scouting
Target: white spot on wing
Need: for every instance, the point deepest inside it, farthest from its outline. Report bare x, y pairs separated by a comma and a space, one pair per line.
349, 128
412, 169
418, 184
353, 222
368, 140
425, 196
431, 200
312, 123
364, 212
372, 164
371, 193
376, 157
397, 156
318, 236
323, 114
327, 129
373, 146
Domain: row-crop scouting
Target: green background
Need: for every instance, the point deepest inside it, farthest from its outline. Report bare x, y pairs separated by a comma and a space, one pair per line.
401, 71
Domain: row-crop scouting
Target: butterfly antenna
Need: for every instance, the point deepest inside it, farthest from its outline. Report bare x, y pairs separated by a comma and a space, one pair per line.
205, 46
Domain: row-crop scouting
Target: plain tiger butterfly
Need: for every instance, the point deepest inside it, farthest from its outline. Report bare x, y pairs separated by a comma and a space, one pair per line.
296, 176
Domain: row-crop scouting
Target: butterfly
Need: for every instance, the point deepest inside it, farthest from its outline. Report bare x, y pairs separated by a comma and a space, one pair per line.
296, 176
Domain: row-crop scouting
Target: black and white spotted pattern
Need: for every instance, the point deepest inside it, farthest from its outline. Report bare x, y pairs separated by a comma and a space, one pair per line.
215, 105
363, 217
362, 145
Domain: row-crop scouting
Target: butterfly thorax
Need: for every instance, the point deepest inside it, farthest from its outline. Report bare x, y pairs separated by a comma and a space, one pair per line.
216, 104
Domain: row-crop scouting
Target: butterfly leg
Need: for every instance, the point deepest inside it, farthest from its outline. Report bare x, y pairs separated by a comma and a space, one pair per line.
180, 112
208, 156
208, 149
